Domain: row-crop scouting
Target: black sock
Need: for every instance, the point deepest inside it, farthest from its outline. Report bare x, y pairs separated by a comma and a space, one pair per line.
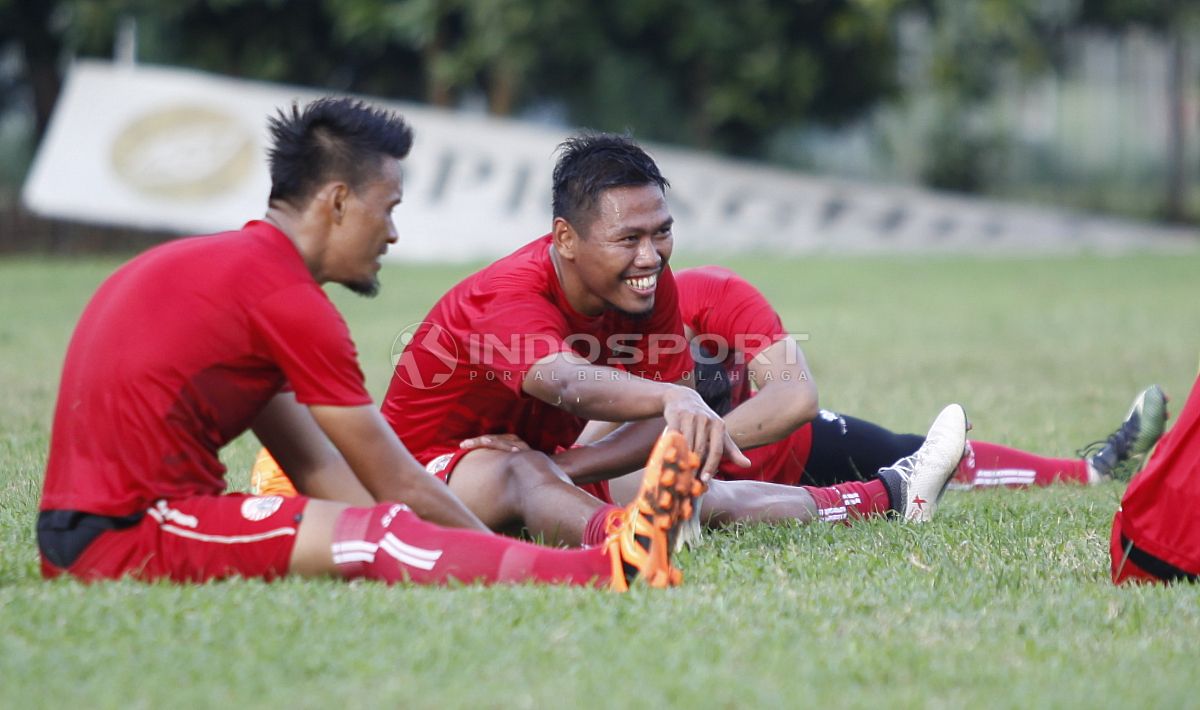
895, 487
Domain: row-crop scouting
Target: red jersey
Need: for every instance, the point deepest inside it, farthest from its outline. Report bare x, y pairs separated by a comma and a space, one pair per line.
733, 322
461, 374
1160, 511
176, 354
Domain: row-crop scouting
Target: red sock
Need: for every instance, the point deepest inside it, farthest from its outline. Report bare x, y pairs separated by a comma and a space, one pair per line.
597, 526
994, 465
852, 500
389, 543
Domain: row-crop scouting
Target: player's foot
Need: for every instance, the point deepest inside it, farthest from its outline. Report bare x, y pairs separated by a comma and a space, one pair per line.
1121, 454
916, 482
268, 479
642, 535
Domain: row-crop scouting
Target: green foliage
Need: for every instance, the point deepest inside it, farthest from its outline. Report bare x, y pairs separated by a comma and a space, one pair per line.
726, 75
742, 78
1001, 601
261, 39
723, 75
1160, 15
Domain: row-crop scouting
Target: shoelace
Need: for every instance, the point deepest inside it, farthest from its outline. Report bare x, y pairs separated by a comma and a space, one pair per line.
905, 467
1121, 440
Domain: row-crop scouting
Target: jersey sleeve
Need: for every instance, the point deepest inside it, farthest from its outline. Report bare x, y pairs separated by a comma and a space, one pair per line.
744, 319
308, 340
514, 331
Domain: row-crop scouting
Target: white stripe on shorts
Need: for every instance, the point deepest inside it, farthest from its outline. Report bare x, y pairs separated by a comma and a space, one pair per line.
227, 539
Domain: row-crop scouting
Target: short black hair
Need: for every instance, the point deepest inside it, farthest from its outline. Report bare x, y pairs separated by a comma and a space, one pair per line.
590, 163
333, 138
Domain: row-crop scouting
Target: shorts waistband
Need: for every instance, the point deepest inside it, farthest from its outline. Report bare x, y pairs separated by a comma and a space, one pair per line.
1153, 565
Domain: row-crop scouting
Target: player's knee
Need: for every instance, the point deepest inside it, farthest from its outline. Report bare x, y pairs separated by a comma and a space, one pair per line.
528, 469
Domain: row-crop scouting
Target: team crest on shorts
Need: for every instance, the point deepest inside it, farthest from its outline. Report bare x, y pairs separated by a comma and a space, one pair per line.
439, 464
257, 508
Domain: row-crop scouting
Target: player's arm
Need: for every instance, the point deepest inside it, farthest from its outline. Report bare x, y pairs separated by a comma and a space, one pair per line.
601, 453
607, 450
589, 391
786, 397
313, 465
604, 450
387, 469
622, 450
367, 447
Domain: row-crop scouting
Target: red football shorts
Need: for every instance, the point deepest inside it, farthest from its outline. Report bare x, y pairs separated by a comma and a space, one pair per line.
196, 540
1123, 568
443, 465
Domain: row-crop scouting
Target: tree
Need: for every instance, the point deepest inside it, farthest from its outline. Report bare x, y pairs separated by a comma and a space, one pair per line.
35, 27
703, 72
465, 46
725, 75
271, 40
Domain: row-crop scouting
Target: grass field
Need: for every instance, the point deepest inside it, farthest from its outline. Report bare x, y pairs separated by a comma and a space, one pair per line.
1002, 601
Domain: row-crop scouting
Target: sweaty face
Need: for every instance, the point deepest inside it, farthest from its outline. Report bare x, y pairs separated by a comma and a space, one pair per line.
365, 231
624, 249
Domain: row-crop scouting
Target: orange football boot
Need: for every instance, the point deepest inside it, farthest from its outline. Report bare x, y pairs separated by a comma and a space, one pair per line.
268, 479
642, 535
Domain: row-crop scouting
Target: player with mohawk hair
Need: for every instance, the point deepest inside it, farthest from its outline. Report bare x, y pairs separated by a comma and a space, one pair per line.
195, 341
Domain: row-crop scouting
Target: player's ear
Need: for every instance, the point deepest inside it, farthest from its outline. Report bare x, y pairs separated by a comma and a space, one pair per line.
565, 238
332, 199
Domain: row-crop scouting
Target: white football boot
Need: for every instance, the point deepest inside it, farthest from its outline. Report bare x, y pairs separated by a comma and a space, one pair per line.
918, 481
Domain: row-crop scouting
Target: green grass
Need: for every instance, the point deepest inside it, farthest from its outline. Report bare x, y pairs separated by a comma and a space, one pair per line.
1002, 601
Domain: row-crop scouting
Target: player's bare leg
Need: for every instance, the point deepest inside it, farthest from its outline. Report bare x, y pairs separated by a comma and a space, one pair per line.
909, 489
524, 489
728, 502
508, 491
388, 543
312, 556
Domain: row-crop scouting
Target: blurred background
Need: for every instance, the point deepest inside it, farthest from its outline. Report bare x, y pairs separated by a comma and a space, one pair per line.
1085, 104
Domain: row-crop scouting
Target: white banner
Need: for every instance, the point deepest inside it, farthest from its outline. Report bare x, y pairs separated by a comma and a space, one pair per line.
173, 149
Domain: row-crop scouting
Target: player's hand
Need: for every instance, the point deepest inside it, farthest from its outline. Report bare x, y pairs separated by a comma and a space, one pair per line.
497, 442
703, 429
